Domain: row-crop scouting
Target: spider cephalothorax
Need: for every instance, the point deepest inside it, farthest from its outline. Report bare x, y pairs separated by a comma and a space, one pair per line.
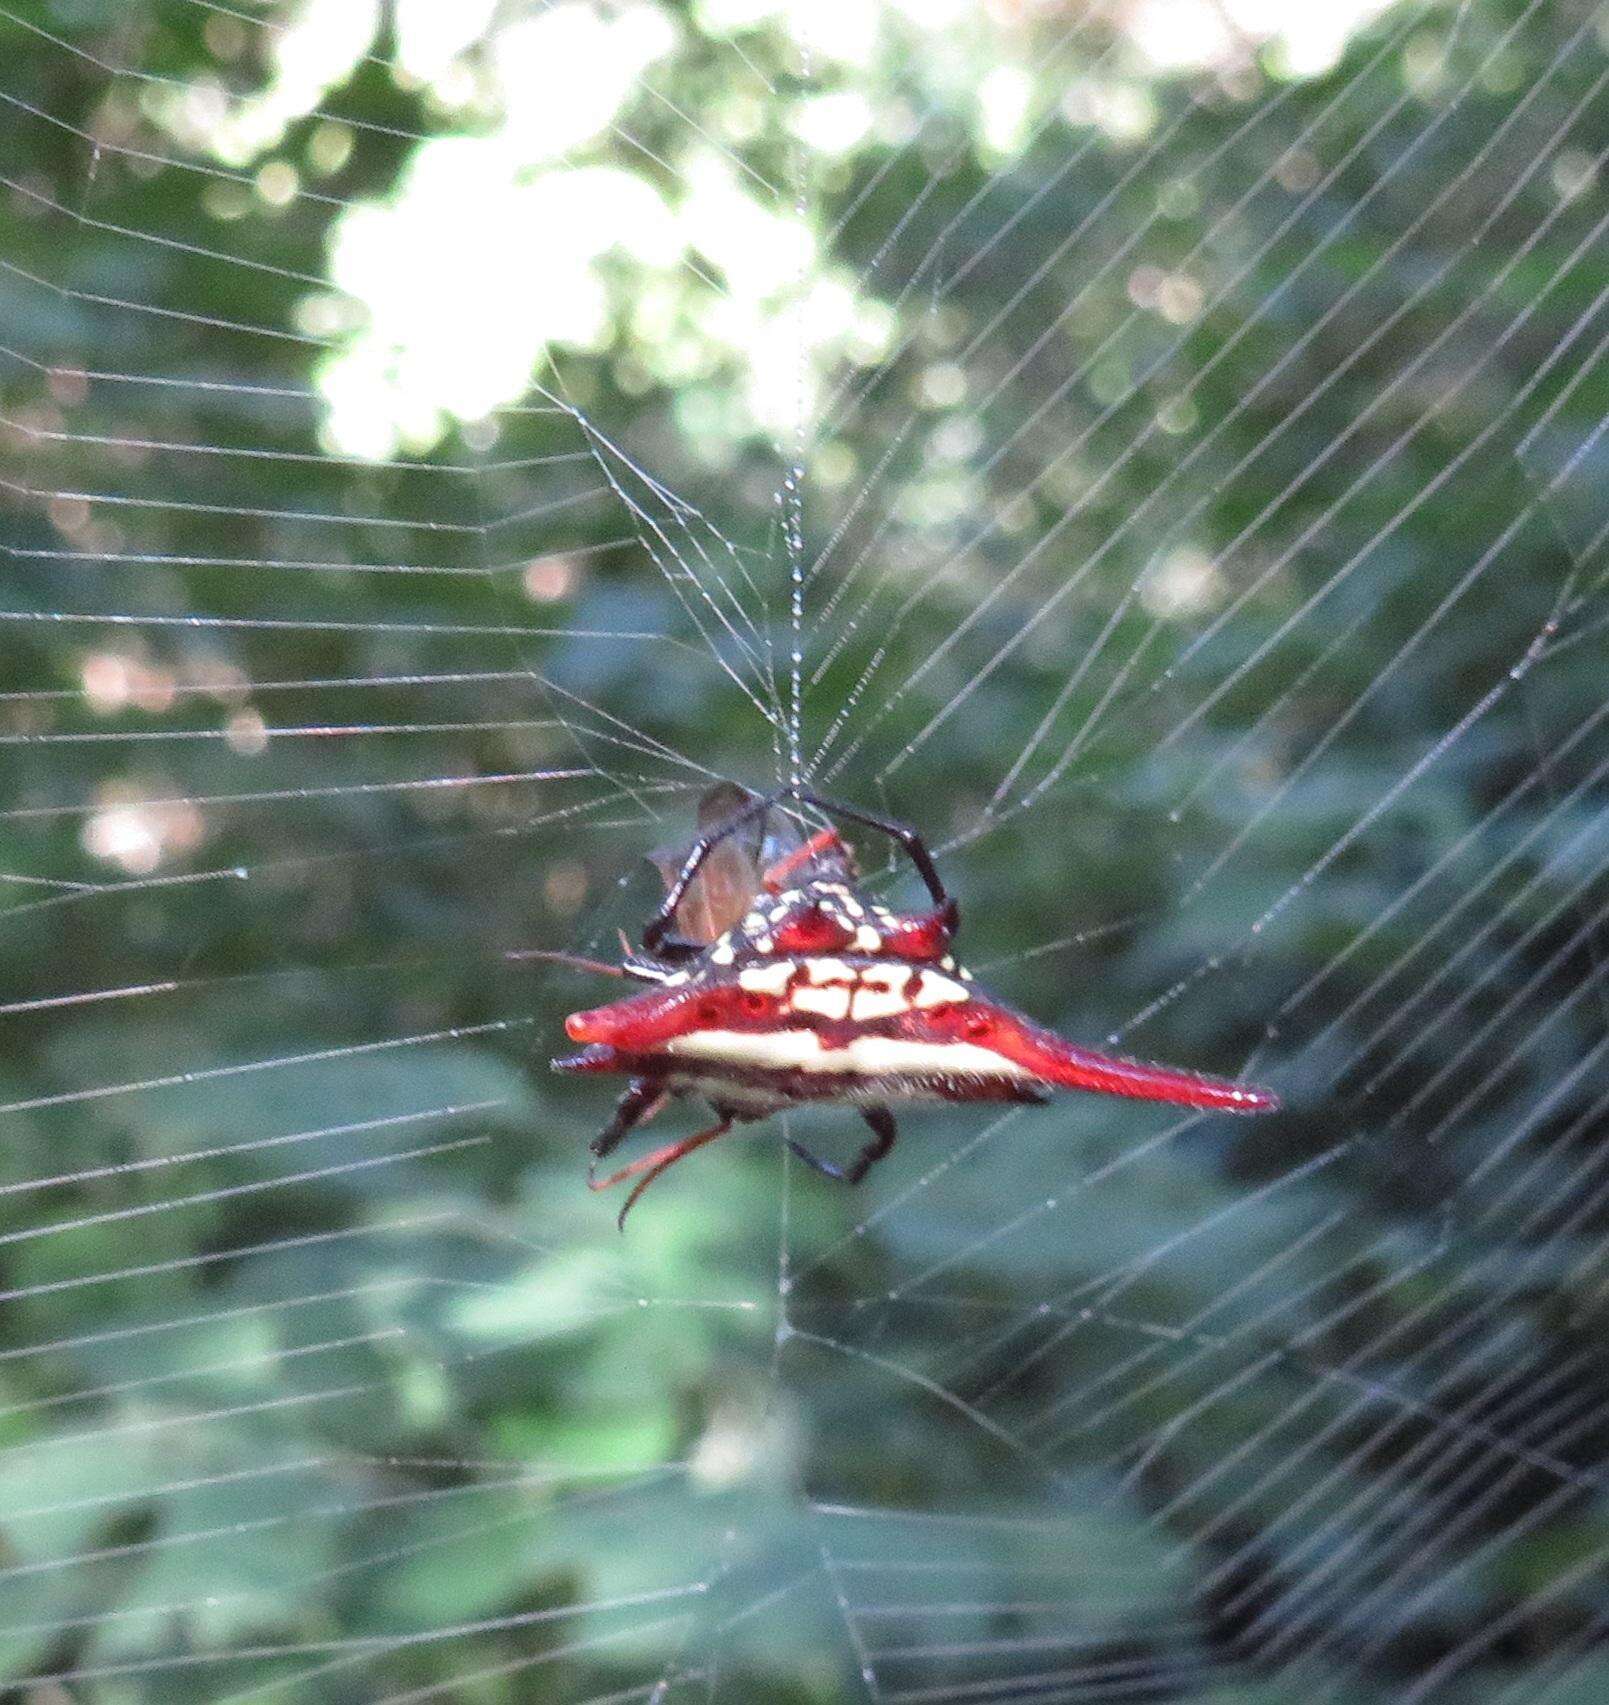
777, 983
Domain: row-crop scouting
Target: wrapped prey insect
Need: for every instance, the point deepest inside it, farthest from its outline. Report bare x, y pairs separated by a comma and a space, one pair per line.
776, 982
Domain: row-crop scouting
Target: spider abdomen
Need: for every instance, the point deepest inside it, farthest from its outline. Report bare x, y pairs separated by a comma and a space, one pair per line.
863, 1029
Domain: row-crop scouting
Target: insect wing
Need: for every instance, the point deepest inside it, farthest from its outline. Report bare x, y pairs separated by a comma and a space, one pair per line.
729, 877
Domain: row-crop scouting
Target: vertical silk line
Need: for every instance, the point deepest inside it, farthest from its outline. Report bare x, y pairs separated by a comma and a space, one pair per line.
793, 481
793, 531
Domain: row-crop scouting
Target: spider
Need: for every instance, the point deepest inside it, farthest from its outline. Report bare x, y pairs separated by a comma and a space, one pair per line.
777, 983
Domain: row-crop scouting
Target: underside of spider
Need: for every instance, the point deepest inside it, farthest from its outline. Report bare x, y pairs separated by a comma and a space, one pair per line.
776, 983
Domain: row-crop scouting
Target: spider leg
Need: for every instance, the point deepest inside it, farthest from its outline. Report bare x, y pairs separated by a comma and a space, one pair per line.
651, 1165
659, 924
576, 961
884, 1132
824, 1167
642, 1100
915, 849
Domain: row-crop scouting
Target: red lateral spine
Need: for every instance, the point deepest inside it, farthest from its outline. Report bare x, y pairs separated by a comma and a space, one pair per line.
1057, 1061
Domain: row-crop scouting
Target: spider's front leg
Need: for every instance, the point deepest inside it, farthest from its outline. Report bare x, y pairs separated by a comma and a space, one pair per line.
661, 1160
884, 1132
643, 1100
915, 847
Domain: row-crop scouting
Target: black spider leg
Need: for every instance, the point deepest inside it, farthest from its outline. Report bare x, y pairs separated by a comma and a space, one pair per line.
654, 932
642, 1100
915, 848
884, 1132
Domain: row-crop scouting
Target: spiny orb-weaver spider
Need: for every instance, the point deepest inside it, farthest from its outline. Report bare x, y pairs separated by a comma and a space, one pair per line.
777, 983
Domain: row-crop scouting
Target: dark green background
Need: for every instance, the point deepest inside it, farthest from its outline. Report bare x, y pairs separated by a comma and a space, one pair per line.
1085, 1404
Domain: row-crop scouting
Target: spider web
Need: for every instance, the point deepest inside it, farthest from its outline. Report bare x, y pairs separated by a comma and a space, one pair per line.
1166, 470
